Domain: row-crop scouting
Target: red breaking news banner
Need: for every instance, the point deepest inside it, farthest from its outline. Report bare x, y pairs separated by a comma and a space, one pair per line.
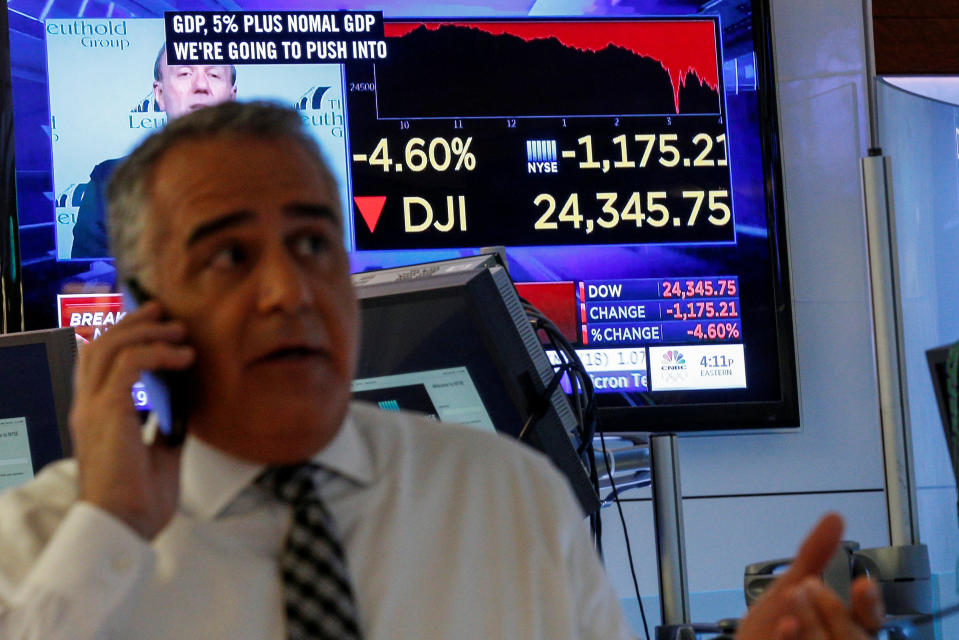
90, 314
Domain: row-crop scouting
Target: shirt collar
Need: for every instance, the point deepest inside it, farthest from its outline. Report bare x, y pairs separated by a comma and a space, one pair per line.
348, 455
211, 479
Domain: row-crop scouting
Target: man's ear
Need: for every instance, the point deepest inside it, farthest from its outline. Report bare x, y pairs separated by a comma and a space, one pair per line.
158, 94
233, 93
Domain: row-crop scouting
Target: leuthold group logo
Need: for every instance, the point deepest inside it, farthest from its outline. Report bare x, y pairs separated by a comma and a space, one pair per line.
319, 112
147, 104
93, 34
67, 206
71, 197
146, 114
312, 99
673, 366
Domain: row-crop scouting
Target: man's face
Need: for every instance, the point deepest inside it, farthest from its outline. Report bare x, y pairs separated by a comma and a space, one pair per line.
184, 88
246, 239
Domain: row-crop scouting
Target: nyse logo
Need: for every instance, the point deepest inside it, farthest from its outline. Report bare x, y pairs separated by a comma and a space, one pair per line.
541, 156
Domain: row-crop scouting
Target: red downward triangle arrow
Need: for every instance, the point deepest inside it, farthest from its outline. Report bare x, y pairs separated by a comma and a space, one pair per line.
370, 208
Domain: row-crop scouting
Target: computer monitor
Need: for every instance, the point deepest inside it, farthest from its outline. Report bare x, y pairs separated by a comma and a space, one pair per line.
36, 388
938, 368
451, 339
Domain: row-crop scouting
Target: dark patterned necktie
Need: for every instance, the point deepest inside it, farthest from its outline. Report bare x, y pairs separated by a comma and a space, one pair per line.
316, 585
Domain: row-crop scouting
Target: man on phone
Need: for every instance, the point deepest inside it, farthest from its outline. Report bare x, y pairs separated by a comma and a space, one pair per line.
289, 512
177, 90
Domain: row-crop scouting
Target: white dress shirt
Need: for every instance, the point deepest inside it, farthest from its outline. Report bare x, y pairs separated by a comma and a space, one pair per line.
449, 533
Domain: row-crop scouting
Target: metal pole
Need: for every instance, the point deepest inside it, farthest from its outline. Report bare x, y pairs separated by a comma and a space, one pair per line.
887, 326
668, 524
871, 78
887, 316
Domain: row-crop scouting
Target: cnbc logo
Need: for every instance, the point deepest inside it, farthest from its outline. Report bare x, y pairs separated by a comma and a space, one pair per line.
673, 359
673, 366
541, 156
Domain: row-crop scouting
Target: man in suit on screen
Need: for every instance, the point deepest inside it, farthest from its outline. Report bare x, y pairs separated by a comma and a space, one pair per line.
177, 90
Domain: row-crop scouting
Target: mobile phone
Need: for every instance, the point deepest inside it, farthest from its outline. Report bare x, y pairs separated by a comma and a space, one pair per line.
167, 390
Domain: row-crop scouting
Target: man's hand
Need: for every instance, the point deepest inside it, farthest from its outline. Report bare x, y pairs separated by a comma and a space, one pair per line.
136, 483
799, 606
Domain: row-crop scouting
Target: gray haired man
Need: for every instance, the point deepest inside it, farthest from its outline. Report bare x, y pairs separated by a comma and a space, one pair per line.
290, 512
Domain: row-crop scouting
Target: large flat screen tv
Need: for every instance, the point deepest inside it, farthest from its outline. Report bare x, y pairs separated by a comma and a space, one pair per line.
625, 153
